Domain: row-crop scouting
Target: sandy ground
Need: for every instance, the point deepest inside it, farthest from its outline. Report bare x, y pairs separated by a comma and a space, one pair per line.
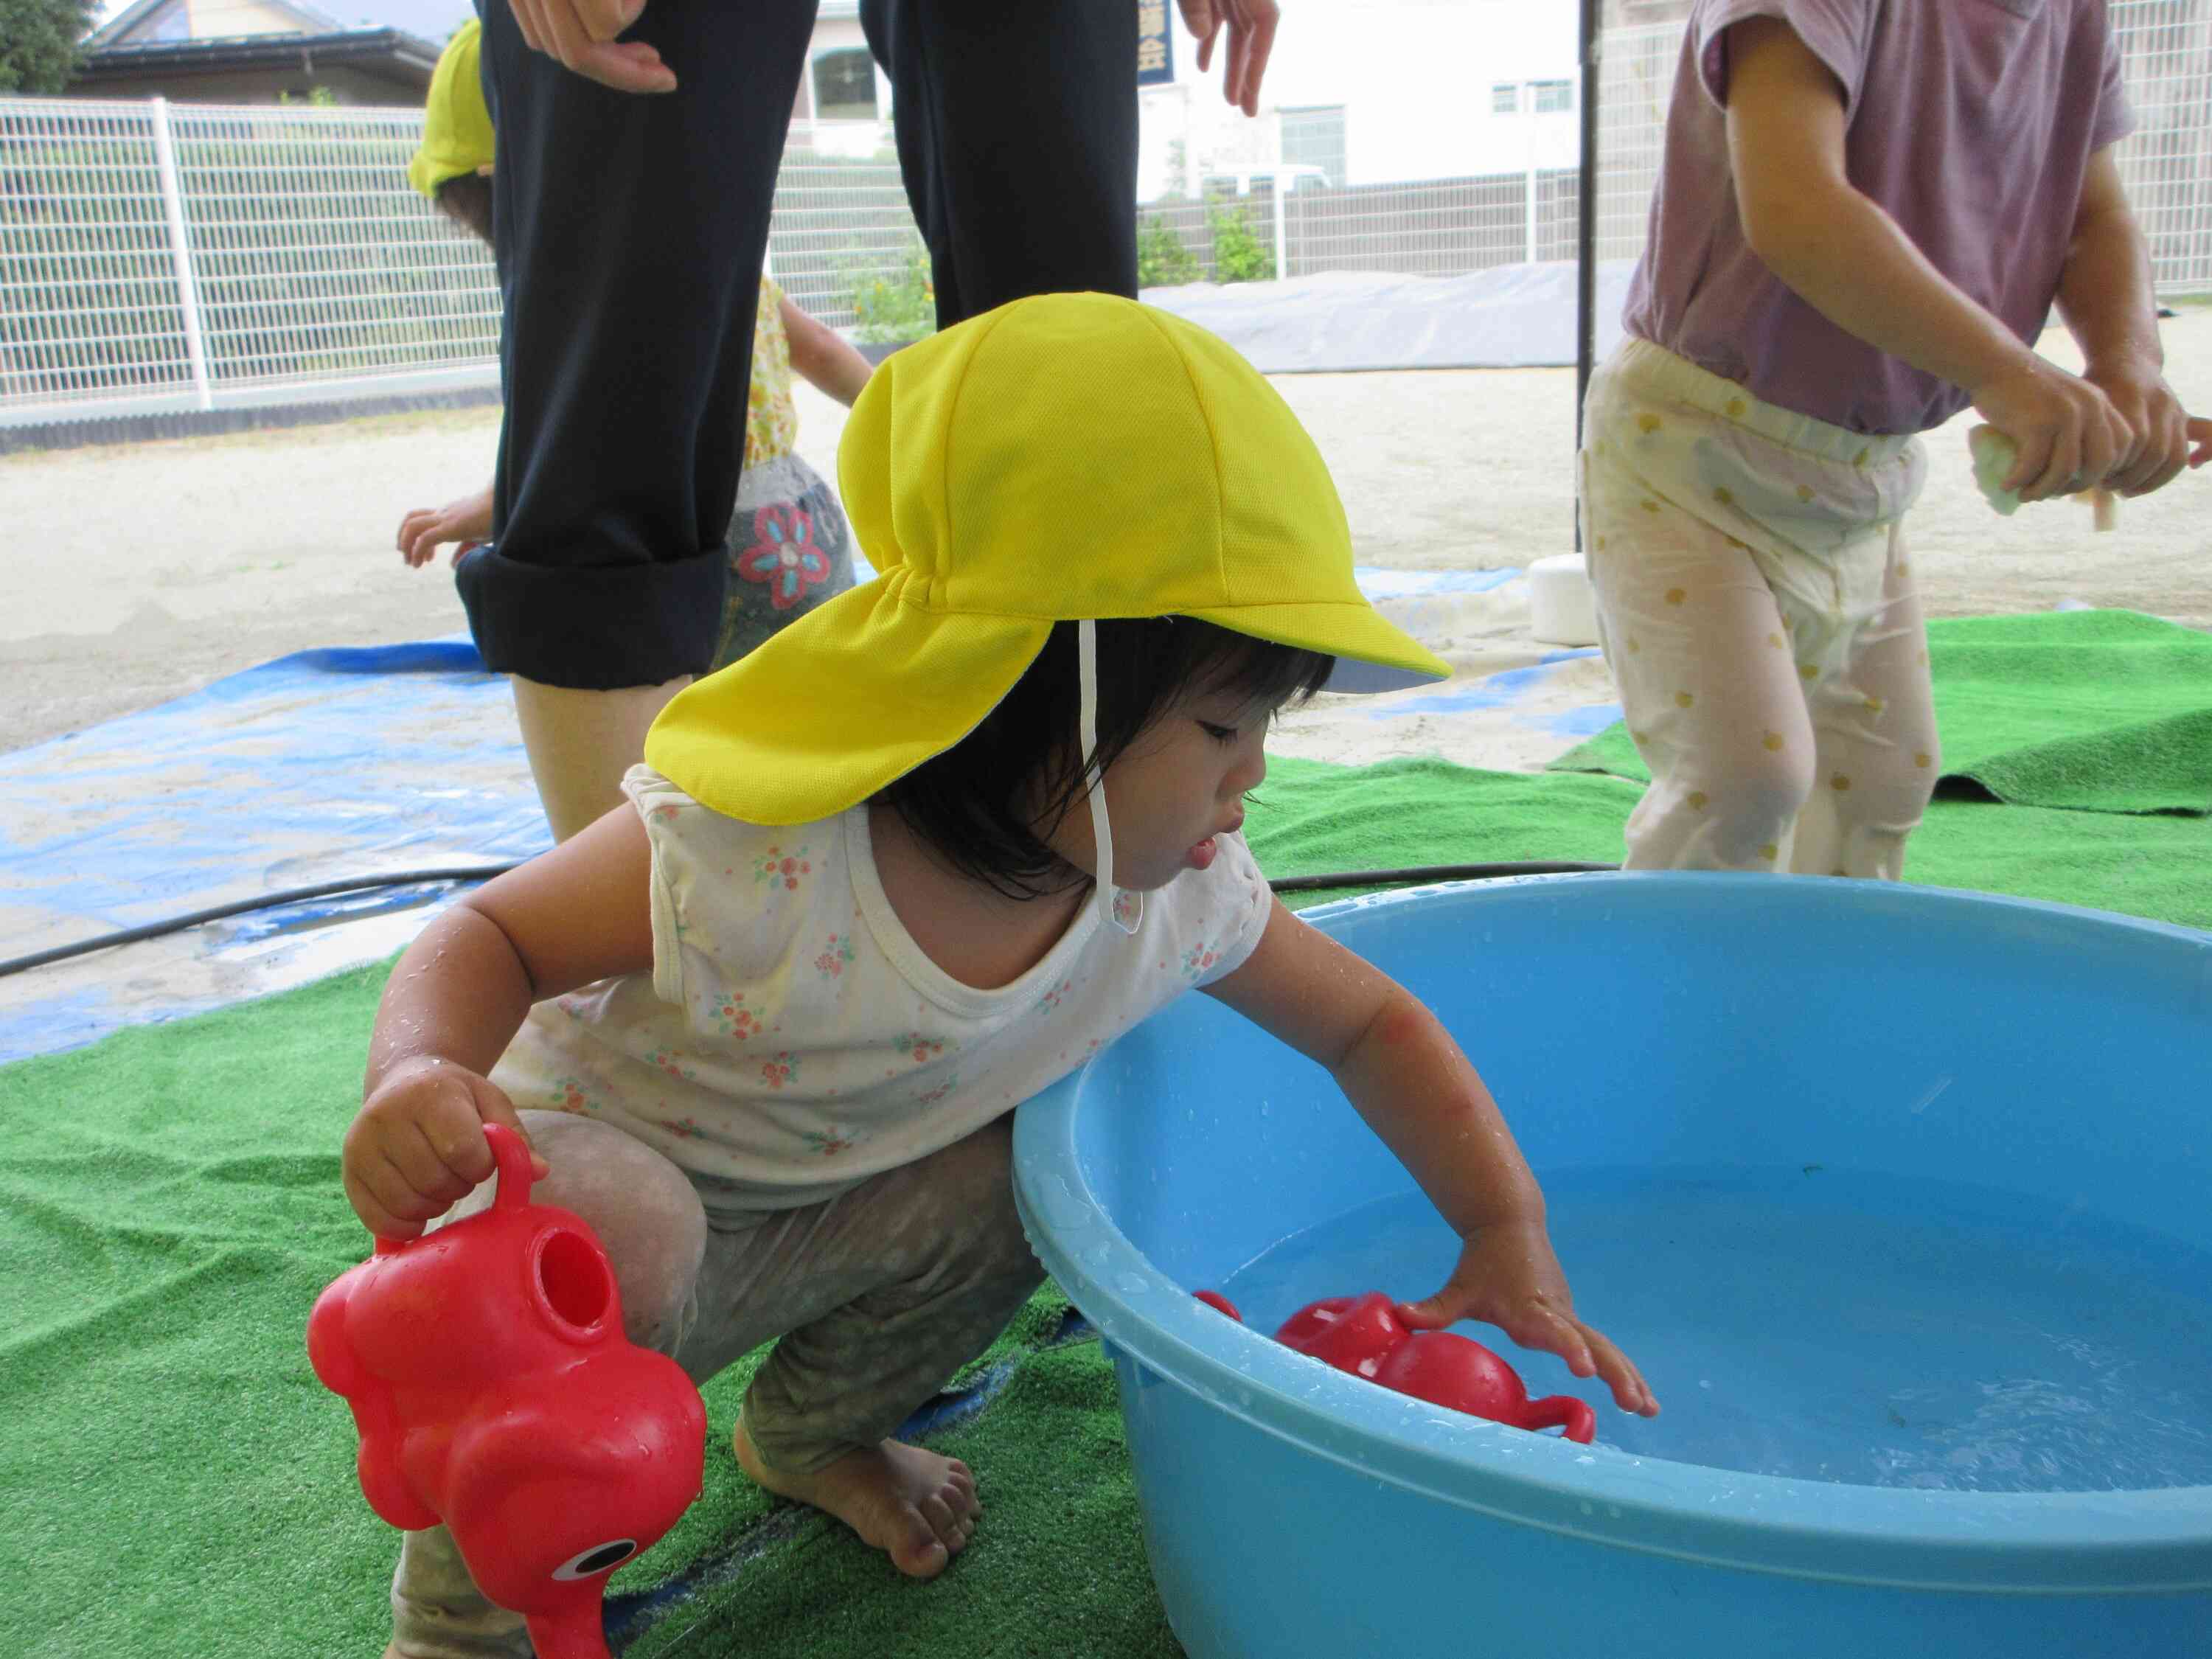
140, 572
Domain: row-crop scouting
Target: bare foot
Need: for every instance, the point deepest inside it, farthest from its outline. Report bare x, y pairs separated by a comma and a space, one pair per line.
917, 1507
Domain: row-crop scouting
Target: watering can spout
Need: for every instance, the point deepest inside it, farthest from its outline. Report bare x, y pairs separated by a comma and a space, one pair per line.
572, 1633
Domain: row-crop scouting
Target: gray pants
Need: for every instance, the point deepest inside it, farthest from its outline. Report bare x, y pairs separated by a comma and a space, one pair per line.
879, 1296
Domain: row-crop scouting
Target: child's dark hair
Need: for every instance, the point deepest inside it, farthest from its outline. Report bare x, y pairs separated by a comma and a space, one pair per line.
465, 198
988, 819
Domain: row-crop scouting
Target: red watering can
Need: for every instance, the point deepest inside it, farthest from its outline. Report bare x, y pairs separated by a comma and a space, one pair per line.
494, 1391
1362, 1334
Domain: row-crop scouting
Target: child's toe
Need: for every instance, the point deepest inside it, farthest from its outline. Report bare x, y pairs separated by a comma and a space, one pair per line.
921, 1551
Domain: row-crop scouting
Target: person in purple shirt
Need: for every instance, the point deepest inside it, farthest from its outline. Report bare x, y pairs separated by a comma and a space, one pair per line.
1865, 214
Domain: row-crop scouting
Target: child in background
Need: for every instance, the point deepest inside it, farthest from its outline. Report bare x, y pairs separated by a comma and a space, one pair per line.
920, 855
790, 548
1865, 213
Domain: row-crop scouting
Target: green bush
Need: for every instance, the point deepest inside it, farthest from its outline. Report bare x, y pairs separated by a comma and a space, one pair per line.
1162, 261
899, 305
1238, 255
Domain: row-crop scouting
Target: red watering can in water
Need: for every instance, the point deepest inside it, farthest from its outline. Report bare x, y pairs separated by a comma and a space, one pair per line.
494, 1391
1362, 1334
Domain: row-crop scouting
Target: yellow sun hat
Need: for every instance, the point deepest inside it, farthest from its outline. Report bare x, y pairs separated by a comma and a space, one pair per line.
1067, 457
456, 123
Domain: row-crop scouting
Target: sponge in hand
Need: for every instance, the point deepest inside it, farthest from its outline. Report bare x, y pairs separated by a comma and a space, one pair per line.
1995, 456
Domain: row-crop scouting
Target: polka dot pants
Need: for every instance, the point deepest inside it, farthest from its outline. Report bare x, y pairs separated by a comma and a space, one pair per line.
1755, 604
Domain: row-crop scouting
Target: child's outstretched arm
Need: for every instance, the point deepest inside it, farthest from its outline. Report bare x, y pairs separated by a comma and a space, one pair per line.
1847, 258
1398, 1065
578, 914
824, 356
2105, 294
463, 523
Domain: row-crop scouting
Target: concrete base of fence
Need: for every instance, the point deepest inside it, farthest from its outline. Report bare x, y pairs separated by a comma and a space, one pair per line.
82, 432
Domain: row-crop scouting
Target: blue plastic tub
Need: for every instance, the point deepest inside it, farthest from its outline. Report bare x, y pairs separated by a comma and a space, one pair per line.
1901, 1197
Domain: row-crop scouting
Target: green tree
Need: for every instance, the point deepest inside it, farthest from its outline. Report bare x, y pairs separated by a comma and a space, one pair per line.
40, 43
1238, 255
1162, 261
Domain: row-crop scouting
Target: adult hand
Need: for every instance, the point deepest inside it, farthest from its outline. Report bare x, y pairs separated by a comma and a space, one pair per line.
1251, 38
582, 33
464, 523
2069, 435
1508, 1277
2163, 433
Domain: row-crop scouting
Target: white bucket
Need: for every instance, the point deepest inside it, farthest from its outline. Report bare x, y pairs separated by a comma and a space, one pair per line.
1562, 606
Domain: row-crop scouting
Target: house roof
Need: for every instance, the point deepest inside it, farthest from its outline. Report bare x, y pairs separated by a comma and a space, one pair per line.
394, 48
120, 28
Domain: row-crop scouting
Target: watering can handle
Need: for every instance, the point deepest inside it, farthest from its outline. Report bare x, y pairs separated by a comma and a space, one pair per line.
511, 1154
512, 1158
1562, 1410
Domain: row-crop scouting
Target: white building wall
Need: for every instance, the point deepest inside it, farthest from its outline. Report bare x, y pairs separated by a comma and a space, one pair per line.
1414, 76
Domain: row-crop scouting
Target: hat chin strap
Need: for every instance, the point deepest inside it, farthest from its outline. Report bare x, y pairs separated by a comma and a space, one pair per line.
1102, 832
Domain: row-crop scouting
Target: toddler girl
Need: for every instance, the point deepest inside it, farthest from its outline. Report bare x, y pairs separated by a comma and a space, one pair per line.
920, 854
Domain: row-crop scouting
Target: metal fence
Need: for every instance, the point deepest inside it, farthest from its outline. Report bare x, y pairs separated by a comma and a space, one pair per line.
158, 257
2166, 48
1427, 228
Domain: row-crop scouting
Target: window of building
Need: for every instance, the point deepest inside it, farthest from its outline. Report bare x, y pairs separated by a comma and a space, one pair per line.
1504, 97
1313, 135
1552, 96
845, 86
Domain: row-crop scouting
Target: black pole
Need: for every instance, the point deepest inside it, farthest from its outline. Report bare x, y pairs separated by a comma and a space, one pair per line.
1586, 235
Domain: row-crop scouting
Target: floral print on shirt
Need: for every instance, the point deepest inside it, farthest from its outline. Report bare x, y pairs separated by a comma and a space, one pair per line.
734, 1020
779, 1044
670, 1064
1198, 959
778, 868
771, 415
830, 1141
837, 955
570, 1094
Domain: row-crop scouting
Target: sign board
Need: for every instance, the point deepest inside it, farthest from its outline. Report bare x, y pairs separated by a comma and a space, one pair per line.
1155, 44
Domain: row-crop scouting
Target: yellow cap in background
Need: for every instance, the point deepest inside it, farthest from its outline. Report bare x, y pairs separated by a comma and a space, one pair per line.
456, 122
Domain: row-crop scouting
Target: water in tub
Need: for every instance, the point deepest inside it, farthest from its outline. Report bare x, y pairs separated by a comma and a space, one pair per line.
1832, 1326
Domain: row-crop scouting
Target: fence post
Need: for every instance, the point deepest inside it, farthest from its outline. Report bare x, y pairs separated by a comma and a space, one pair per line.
180, 254
1528, 125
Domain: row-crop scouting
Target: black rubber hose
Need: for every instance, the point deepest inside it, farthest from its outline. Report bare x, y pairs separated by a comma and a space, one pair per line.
471, 872
240, 907
1421, 873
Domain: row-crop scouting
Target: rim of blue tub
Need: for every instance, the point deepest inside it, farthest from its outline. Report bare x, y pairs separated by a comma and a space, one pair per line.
2144, 1541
